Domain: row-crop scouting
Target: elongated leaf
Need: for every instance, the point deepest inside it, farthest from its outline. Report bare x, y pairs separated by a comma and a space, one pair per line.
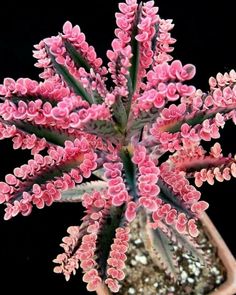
132, 76
186, 243
74, 84
75, 194
130, 172
143, 119
155, 38
207, 163
77, 57
169, 197
161, 250
119, 113
80, 61
97, 99
102, 128
15, 99
52, 135
46, 174
133, 70
196, 118
113, 220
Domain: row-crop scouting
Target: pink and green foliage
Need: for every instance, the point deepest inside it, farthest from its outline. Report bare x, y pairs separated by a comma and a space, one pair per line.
103, 146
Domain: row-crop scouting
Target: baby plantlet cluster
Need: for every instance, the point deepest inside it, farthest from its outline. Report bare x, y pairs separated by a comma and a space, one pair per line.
103, 146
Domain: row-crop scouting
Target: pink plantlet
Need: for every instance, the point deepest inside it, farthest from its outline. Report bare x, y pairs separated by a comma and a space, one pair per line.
103, 146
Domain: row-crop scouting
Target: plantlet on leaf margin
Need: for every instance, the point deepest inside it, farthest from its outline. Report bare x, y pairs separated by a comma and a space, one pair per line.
118, 135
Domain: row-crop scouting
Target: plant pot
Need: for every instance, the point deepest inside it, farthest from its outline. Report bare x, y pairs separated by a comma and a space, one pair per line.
228, 287
226, 257
103, 290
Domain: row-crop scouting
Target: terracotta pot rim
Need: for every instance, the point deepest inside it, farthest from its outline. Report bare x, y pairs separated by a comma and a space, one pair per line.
226, 257
102, 290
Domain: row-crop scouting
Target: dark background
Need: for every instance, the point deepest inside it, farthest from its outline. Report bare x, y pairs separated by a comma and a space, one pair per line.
205, 35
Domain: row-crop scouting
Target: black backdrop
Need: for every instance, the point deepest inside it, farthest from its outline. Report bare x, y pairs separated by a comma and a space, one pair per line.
206, 37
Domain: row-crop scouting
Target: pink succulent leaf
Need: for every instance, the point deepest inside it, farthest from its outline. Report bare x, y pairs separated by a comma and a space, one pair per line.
131, 211
40, 119
47, 177
100, 232
161, 250
50, 134
124, 48
179, 195
113, 243
130, 172
134, 61
104, 129
192, 228
113, 285
118, 136
76, 194
67, 263
119, 113
117, 255
169, 196
75, 55
203, 167
185, 242
30, 90
204, 118
75, 85
78, 49
143, 119
80, 246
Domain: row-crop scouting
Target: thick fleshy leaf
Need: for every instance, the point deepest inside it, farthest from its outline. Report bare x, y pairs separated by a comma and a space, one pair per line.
132, 76
161, 250
186, 243
80, 61
155, 38
102, 128
143, 119
15, 99
56, 171
113, 220
130, 172
204, 167
133, 70
70, 80
44, 182
119, 113
75, 194
196, 118
207, 163
168, 196
77, 57
52, 135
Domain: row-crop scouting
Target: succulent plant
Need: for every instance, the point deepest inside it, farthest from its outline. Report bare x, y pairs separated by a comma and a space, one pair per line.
125, 146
